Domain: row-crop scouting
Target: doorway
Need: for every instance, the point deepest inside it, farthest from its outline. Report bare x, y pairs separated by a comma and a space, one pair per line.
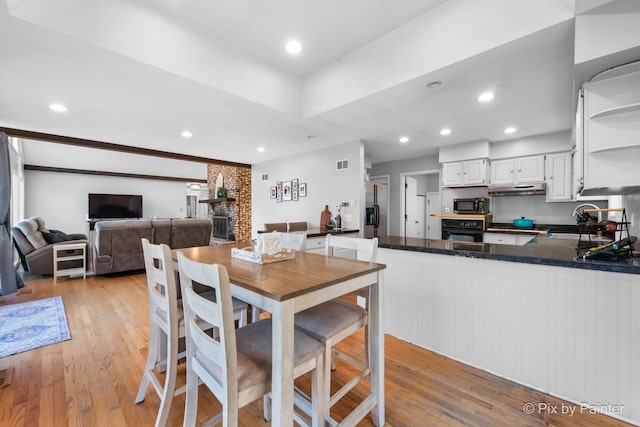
420, 199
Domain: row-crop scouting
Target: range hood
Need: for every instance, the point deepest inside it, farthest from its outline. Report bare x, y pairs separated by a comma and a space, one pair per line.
528, 189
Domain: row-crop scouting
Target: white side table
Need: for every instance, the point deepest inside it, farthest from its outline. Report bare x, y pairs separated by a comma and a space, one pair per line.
60, 254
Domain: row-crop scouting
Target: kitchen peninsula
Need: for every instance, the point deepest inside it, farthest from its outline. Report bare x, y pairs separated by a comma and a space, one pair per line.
534, 314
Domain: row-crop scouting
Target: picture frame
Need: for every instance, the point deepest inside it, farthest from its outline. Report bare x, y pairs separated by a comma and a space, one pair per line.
294, 184
294, 195
286, 191
278, 191
302, 189
273, 193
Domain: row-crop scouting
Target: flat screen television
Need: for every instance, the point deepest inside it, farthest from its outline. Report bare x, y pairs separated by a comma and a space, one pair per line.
108, 206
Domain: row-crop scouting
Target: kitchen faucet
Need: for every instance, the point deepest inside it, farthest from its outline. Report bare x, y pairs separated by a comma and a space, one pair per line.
587, 205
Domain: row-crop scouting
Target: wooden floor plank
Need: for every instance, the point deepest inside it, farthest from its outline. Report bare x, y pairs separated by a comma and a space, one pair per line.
92, 379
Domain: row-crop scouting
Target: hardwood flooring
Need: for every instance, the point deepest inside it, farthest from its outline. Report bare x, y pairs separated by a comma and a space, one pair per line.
92, 379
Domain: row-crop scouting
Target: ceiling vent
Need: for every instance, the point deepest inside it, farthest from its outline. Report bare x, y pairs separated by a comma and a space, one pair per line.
342, 164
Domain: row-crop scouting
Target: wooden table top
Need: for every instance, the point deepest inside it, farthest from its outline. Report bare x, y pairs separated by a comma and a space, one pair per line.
285, 279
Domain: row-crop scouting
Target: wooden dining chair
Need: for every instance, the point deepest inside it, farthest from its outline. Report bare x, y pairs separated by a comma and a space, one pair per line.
333, 321
166, 317
236, 366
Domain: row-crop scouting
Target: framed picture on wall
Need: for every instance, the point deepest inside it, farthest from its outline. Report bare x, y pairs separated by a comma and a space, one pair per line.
286, 190
294, 195
278, 191
302, 189
273, 192
294, 184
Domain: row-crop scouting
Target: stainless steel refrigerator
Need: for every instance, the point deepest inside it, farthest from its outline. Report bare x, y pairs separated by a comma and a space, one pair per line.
375, 210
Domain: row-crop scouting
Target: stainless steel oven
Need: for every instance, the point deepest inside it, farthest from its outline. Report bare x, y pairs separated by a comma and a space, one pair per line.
466, 230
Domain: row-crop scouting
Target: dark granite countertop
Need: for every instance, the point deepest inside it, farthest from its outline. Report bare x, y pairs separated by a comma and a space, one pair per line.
543, 249
320, 232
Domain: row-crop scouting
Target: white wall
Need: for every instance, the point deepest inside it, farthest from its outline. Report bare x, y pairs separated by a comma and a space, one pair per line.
61, 199
325, 186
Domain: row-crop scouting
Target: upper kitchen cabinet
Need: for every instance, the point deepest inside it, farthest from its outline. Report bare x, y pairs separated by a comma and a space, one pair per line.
518, 170
465, 165
465, 173
612, 131
558, 167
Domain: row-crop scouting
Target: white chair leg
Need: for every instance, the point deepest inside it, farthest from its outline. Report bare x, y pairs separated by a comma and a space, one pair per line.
255, 314
326, 380
266, 407
152, 354
318, 393
169, 383
191, 398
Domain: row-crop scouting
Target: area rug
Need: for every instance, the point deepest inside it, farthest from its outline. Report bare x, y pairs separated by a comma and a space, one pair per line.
31, 325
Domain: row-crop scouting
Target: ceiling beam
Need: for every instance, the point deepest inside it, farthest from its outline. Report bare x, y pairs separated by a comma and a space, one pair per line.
88, 143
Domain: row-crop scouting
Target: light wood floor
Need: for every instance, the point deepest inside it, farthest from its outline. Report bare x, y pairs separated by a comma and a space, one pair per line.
92, 379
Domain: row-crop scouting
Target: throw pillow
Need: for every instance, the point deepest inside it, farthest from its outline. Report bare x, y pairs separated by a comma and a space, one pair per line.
56, 236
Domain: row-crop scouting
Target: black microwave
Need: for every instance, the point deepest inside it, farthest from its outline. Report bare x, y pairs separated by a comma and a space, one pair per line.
471, 206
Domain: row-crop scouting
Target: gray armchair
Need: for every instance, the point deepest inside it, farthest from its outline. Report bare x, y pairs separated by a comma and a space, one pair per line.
34, 243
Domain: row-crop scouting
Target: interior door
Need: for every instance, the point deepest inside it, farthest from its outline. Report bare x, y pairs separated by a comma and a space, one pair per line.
412, 221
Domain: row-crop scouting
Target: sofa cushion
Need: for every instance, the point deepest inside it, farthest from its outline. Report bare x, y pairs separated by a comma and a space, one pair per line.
29, 228
186, 233
161, 231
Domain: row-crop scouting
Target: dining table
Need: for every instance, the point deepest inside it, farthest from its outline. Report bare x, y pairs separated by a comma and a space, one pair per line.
286, 287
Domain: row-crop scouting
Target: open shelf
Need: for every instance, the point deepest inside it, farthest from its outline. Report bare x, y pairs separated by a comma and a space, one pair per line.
618, 148
622, 109
617, 248
222, 200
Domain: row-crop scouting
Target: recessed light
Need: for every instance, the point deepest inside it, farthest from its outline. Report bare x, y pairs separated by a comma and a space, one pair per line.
486, 97
260, 149
404, 139
510, 130
59, 108
445, 131
186, 134
434, 84
293, 47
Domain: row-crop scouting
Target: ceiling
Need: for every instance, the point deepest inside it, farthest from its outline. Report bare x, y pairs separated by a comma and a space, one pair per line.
139, 72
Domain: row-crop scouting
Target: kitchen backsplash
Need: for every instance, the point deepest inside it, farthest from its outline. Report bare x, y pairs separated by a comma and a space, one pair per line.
506, 209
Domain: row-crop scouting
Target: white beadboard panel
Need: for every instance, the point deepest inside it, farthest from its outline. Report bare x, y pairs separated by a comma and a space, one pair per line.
569, 332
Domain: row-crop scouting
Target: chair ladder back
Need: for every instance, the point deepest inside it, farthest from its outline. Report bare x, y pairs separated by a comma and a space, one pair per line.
218, 314
366, 249
297, 241
160, 279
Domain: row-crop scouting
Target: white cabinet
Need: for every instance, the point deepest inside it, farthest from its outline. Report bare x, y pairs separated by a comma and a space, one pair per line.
517, 170
315, 244
559, 177
451, 174
507, 238
465, 173
612, 131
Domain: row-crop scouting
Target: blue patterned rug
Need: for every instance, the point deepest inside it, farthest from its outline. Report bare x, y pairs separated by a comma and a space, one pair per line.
31, 325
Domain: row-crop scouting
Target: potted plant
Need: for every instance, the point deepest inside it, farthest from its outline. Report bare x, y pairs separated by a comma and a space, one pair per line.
221, 192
